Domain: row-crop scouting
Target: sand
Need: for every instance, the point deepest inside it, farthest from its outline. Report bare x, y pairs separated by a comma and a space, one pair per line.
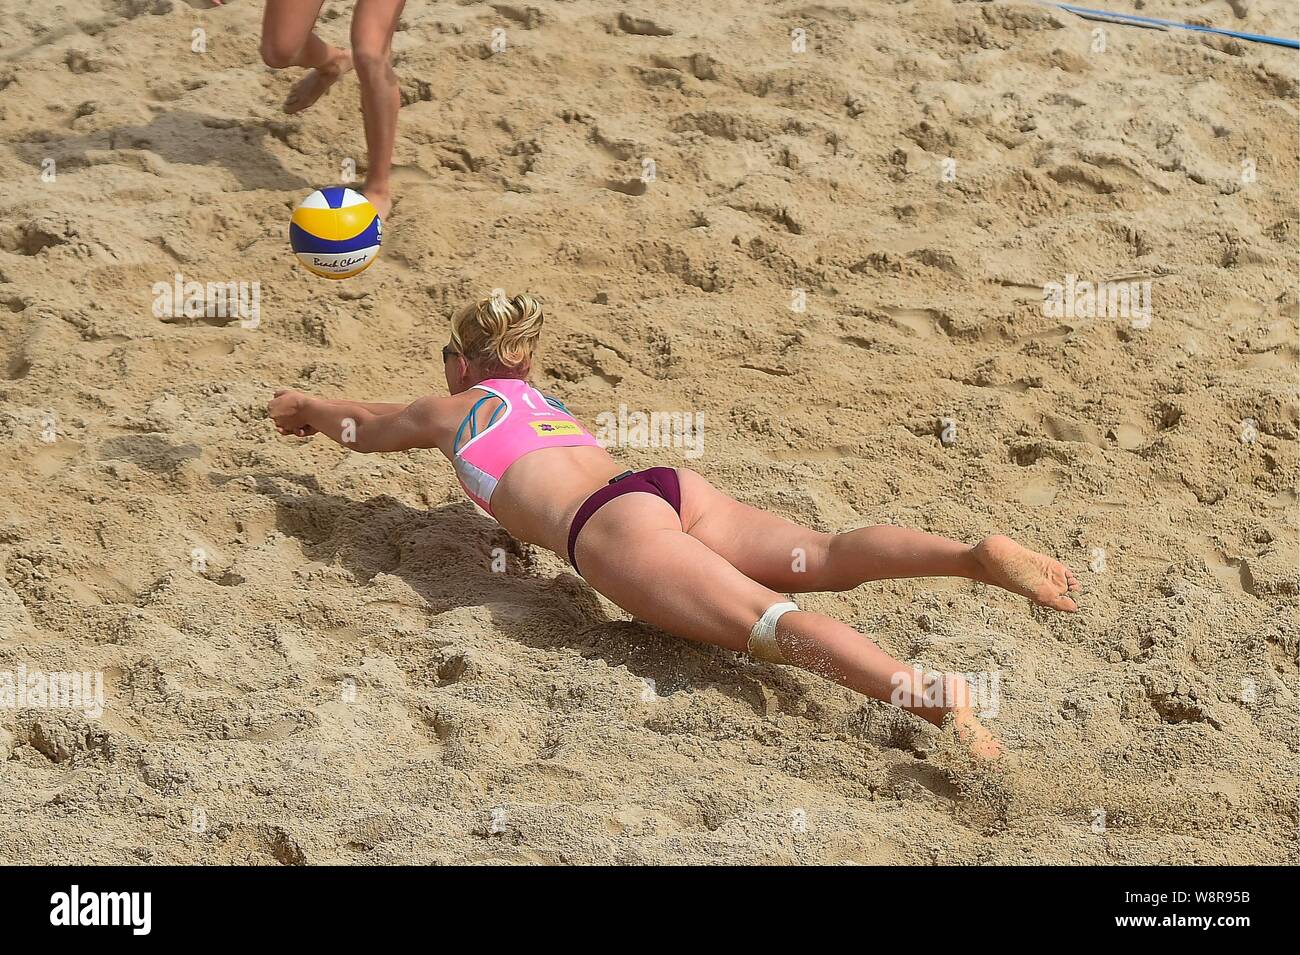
307, 656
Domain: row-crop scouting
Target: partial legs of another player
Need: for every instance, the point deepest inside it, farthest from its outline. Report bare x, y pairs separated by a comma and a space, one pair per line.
288, 39
373, 24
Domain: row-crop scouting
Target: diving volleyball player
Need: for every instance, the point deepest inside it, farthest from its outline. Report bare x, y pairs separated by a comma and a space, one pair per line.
663, 543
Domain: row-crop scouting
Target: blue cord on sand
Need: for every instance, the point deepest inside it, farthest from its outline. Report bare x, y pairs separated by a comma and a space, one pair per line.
1129, 19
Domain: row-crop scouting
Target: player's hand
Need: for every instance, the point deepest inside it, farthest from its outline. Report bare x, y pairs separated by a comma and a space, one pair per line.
288, 410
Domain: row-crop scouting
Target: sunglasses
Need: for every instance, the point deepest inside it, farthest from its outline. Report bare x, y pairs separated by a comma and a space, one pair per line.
448, 353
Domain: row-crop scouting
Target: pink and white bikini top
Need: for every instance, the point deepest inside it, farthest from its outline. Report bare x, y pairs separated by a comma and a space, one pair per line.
526, 421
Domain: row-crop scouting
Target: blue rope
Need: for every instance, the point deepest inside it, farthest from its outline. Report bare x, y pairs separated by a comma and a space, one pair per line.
1129, 19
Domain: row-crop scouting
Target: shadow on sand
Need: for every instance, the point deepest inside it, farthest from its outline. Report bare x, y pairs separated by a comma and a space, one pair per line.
445, 555
183, 137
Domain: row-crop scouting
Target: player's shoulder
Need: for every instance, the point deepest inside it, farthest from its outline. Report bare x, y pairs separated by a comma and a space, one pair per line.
435, 409
434, 418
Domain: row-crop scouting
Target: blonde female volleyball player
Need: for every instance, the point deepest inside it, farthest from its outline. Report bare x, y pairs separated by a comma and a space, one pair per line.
663, 543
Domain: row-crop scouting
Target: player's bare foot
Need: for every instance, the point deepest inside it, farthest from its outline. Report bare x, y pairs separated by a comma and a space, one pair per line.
979, 739
982, 742
1023, 571
380, 199
317, 82
947, 699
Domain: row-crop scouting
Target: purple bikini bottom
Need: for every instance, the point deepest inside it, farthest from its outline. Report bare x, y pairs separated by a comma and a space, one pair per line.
662, 482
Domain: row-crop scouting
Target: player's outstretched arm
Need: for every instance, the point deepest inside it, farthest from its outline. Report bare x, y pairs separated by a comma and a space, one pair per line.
359, 426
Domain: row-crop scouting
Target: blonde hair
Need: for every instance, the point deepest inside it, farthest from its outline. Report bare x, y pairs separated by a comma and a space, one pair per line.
498, 331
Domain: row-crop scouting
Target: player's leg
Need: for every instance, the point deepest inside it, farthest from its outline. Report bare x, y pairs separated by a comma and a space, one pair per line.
287, 34
373, 25
634, 551
289, 39
791, 558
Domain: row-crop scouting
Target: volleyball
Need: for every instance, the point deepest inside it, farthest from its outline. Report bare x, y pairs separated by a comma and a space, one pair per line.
335, 232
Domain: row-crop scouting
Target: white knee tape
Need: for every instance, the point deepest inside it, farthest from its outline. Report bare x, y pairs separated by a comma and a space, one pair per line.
762, 638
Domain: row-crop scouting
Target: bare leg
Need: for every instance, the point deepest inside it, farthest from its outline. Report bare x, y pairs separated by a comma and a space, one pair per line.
788, 557
634, 552
373, 25
288, 40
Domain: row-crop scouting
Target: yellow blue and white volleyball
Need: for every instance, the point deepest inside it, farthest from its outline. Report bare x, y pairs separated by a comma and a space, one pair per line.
335, 232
